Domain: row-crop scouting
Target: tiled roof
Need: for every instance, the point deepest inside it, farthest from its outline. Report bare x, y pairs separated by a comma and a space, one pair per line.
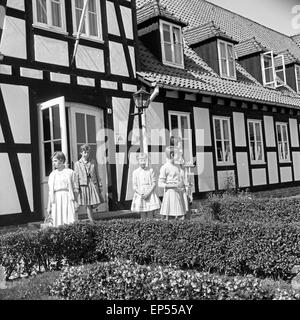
248, 47
154, 8
199, 77
199, 12
296, 39
206, 31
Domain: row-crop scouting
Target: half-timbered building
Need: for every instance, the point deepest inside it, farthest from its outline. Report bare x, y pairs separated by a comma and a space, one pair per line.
228, 89
61, 87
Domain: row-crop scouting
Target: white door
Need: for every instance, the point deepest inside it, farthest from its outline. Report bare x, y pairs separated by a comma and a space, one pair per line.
53, 137
87, 126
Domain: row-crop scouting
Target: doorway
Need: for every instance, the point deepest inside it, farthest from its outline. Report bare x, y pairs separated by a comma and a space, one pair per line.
65, 126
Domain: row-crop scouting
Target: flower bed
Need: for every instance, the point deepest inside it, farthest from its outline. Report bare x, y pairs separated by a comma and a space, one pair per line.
234, 249
125, 280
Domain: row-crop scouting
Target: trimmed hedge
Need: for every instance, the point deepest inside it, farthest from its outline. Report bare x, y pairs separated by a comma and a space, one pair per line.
232, 209
233, 249
125, 280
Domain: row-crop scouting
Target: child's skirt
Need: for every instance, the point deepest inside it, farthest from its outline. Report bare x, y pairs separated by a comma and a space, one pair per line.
89, 195
150, 204
173, 204
63, 209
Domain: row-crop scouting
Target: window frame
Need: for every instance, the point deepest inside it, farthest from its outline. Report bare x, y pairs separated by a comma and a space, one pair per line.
283, 124
165, 62
223, 163
48, 26
98, 38
219, 42
297, 79
180, 114
254, 122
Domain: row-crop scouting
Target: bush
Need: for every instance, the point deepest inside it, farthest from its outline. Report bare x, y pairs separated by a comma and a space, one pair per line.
234, 249
232, 209
125, 280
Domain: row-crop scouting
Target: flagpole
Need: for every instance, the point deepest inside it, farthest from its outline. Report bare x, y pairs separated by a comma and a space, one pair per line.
80, 29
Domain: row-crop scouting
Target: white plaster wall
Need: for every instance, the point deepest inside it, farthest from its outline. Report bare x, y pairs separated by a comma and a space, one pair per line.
259, 177
273, 167
13, 42
223, 177
113, 27
90, 59
286, 174
117, 59
121, 113
202, 126
296, 164
9, 200
127, 21
109, 85
86, 81
294, 132
17, 106
132, 56
239, 129
16, 4
155, 121
52, 51
1, 135
269, 131
25, 162
59, 77
243, 169
31, 73
205, 172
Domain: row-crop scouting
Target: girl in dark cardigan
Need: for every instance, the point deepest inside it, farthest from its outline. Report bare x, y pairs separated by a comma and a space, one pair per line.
89, 183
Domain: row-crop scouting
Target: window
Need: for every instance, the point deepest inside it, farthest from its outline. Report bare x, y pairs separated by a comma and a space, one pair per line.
273, 70
226, 60
255, 141
50, 13
172, 44
180, 130
297, 72
92, 21
223, 142
283, 142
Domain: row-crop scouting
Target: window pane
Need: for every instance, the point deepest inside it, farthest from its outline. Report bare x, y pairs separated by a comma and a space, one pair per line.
259, 155
226, 129
93, 153
166, 33
46, 125
92, 6
268, 62
257, 132
227, 151
251, 131
91, 127
218, 129
223, 50
269, 75
41, 8
224, 68
231, 68
174, 122
56, 123
278, 133
93, 23
80, 128
48, 160
78, 9
252, 148
56, 13
219, 151
284, 133
230, 52
168, 52
178, 53
57, 146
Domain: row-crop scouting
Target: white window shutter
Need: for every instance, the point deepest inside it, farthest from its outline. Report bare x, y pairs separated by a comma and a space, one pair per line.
280, 70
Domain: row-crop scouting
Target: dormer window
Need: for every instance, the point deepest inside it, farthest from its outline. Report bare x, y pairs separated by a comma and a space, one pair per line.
50, 14
172, 44
273, 70
297, 72
226, 60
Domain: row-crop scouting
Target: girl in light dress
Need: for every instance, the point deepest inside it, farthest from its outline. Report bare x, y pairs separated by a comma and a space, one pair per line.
145, 200
88, 181
62, 192
171, 179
